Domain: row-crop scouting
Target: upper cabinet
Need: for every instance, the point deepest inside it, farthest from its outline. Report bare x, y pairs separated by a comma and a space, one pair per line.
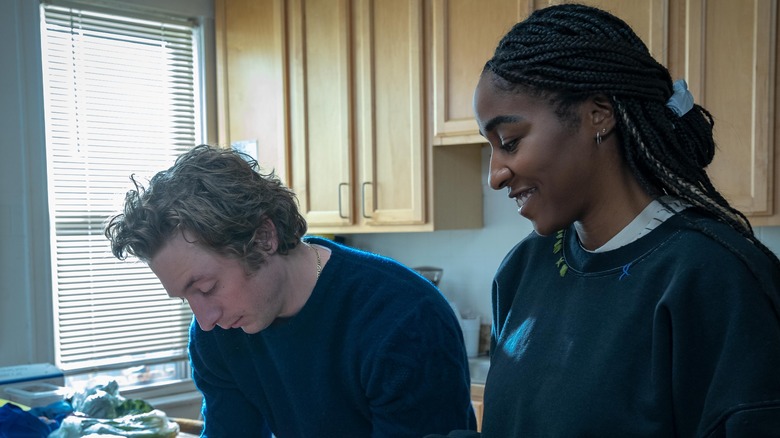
728, 54
365, 106
357, 106
731, 55
464, 35
466, 32
733, 74
251, 79
351, 78
322, 110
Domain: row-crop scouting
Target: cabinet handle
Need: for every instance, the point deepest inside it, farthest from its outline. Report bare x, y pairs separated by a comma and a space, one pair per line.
363, 200
340, 186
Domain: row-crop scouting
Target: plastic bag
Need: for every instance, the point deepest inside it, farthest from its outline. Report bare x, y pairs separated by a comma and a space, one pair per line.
154, 424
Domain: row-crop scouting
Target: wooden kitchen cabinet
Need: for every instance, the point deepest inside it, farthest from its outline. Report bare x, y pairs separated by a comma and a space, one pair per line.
251, 82
466, 33
357, 105
360, 159
728, 54
364, 106
733, 74
321, 109
348, 102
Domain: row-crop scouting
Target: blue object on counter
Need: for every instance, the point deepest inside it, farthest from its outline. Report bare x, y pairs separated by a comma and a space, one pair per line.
18, 423
56, 411
38, 422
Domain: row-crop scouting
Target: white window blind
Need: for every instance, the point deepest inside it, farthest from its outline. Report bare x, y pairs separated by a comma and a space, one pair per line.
121, 98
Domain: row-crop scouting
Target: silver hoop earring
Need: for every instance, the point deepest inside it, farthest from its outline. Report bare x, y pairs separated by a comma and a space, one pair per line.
598, 135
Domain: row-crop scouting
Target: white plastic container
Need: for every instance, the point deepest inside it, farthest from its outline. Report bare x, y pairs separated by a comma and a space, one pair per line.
35, 394
32, 385
470, 328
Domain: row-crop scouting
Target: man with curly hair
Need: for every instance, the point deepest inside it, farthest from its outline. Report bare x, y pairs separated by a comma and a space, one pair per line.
299, 337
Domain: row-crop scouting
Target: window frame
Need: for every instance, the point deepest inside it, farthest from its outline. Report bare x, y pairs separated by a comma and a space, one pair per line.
42, 252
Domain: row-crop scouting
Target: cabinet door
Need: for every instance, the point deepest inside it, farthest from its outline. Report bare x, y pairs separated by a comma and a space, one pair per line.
465, 33
251, 79
390, 112
732, 74
321, 110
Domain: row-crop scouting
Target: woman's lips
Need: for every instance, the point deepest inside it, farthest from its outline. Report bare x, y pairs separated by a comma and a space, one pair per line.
521, 198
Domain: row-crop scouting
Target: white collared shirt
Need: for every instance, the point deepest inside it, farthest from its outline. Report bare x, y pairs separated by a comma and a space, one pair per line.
648, 219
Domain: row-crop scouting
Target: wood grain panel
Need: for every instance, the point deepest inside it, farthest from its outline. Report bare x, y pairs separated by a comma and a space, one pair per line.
465, 34
389, 75
251, 78
731, 73
321, 109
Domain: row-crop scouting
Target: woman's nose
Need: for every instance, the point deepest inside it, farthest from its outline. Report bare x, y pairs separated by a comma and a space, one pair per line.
498, 175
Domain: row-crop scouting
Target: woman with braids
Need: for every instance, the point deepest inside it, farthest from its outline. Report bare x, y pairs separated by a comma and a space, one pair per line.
292, 336
642, 304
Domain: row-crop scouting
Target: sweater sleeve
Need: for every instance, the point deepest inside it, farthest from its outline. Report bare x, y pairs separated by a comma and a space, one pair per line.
418, 381
743, 393
226, 411
725, 338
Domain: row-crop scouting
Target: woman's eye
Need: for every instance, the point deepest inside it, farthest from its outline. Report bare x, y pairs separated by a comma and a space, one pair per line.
509, 146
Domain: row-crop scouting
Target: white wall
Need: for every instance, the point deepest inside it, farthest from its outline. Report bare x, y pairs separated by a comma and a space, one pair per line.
470, 257
24, 272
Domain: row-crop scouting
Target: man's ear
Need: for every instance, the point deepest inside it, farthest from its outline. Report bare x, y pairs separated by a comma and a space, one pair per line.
266, 238
601, 114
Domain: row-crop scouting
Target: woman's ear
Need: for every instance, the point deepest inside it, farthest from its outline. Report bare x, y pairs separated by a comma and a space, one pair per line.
601, 114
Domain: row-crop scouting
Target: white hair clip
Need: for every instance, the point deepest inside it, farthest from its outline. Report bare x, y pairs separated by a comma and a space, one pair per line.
682, 100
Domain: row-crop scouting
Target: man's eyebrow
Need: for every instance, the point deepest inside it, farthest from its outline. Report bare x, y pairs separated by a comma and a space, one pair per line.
497, 120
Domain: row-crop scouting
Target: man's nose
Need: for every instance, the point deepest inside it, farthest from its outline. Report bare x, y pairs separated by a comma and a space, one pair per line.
207, 315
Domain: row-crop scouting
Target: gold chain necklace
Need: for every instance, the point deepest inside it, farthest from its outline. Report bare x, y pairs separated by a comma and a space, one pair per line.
319, 263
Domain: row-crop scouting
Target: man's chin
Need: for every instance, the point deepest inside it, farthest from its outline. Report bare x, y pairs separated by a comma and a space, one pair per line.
250, 330
253, 328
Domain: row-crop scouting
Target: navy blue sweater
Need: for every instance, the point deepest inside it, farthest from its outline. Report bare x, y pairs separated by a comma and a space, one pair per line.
675, 334
375, 352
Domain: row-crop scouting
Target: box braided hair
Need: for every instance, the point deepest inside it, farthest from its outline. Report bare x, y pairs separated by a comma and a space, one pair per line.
571, 52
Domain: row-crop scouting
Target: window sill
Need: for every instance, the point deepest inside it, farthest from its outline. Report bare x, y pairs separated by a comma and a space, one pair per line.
161, 389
